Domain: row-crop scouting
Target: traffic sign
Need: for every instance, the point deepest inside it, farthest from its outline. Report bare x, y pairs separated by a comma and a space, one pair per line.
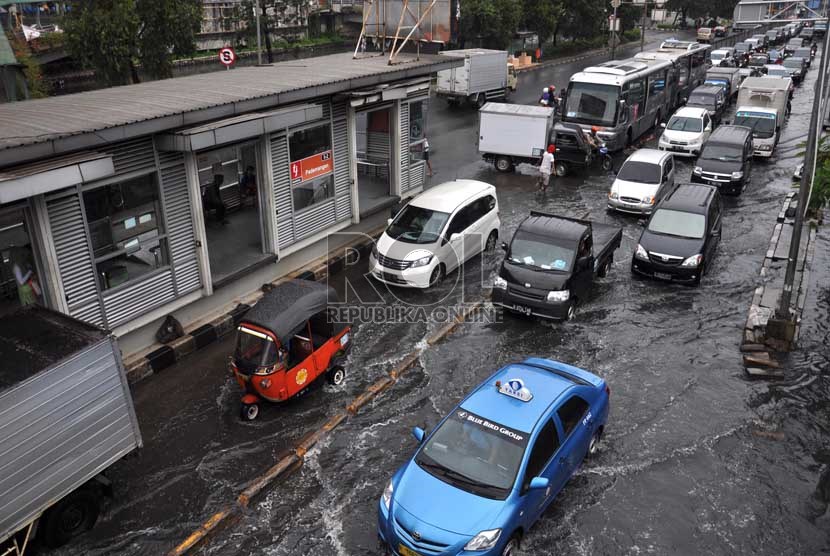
227, 56
615, 4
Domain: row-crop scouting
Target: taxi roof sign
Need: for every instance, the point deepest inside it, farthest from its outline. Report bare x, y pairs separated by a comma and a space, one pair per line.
515, 388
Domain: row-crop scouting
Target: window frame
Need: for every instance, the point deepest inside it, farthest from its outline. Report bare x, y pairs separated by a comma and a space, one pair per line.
527, 476
162, 238
289, 132
566, 432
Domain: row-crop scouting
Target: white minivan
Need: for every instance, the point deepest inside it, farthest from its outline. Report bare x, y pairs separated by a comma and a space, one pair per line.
644, 178
686, 131
435, 232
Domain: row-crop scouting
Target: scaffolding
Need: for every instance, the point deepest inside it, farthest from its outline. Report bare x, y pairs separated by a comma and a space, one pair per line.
418, 21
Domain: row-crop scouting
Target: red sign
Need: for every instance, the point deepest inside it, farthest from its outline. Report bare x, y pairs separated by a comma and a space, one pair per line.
313, 166
227, 56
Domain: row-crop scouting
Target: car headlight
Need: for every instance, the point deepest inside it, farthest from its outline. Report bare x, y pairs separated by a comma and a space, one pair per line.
694, 260
500, 283
641, 253
763, 148
562, 295
423, 261
648, 200
697, 170
613, 195
737, 175
484, 540
387, 495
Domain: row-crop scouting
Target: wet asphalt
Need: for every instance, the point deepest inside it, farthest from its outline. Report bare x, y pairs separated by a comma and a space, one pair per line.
697, 459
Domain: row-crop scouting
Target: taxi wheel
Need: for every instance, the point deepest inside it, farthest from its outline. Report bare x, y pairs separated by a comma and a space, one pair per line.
512, 547
593, 447
249, 411
337, 375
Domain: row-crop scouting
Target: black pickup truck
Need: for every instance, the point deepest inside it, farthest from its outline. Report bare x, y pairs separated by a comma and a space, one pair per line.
551, 263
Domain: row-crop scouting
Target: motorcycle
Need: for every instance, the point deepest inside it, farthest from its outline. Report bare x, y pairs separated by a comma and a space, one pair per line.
601, 154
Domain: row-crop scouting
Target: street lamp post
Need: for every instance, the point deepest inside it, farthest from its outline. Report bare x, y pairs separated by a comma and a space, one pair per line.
643, 26
615, 4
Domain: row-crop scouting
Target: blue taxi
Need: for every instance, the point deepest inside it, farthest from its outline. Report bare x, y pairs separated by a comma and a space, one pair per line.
486, 473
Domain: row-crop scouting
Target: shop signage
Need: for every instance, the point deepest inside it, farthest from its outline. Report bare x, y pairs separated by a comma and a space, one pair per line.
313, 166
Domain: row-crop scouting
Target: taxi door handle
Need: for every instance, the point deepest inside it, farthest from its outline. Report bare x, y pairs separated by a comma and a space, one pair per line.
563, 460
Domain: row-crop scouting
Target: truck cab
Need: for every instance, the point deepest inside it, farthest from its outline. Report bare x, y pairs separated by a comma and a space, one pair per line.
551, 263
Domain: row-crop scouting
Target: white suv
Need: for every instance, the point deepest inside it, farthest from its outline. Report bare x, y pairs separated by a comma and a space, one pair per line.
686, 131
436, 232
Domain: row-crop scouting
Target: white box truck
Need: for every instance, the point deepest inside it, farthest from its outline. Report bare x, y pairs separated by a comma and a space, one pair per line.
763, 106
485, 76
66, 415
509, 134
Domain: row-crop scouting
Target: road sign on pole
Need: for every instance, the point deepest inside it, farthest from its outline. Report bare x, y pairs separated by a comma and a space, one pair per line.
227, 57
615, 4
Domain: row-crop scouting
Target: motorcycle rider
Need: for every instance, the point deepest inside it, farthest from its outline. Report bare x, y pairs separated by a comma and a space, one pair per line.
545, 99
593, 140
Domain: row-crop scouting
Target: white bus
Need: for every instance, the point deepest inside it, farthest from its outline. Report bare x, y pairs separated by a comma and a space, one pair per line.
625, 98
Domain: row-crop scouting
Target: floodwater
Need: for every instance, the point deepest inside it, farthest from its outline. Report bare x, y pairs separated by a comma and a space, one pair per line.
696, 458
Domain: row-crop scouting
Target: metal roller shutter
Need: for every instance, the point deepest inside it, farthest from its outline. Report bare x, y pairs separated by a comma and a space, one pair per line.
314, 220
179, 221
404, 153
342, 163
282, 189
134, 155
147, 294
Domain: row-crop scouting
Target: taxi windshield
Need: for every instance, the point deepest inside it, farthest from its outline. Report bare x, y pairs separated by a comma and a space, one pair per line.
254, 349
474, 454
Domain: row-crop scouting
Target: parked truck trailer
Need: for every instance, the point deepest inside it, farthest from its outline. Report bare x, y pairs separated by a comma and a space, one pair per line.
485, 76
66, 415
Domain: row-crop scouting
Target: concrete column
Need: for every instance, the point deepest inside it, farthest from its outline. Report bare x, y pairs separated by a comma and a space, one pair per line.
351, 130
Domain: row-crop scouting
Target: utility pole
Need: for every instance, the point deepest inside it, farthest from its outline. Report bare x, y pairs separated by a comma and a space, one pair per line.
258, 35
614, 25
643, 27
783, 325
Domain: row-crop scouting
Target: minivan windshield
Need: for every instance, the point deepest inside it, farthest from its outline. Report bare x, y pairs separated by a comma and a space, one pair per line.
640, 172
678, 123
701, 99
677, 223
761, 123
474, 454
417, 225
724, 153
540, 252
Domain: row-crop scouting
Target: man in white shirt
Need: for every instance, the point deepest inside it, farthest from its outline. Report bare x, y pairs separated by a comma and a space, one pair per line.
546, 168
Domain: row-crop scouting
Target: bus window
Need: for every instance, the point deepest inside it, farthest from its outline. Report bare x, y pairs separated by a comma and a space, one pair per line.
636, 97
656, 83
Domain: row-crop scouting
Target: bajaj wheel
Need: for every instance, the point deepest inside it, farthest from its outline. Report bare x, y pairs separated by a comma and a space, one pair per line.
336, 375
561, 169
250, 411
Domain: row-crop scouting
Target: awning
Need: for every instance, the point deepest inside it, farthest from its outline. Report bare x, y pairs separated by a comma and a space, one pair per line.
386, 92
20, 182
239, 128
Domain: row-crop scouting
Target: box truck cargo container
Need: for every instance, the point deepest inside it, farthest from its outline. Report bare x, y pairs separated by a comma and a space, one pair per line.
763, 105
510, 134
66, 415
485, 76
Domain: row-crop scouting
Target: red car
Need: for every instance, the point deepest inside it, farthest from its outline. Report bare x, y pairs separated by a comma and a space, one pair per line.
286, 342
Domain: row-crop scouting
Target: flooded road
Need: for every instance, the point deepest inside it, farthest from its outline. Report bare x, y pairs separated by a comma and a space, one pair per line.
696, 459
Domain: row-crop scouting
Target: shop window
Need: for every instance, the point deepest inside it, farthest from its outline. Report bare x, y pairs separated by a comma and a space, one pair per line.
417, 120
312, 165
19, 277
125, 228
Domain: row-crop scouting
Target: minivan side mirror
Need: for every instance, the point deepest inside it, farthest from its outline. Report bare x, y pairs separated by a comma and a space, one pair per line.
455, 237
419, 434
663, 125
389, 221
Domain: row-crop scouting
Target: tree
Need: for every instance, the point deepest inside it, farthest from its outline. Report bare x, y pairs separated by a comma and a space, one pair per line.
274, 14
542, 17
493, 21
111, 36
583, 19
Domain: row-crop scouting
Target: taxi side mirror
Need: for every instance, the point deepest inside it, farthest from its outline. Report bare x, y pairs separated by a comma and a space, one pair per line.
539, 483
419, 434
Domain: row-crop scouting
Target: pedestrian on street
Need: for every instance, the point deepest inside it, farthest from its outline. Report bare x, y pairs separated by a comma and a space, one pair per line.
546, 168
213, 195
426, 156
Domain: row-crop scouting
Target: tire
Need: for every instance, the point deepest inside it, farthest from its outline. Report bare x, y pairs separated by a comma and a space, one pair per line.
700, 274
607, 163
571, 310
70, 517
593, 447
481, 100
490, 246
603, 272
512, 547
336, 375
560, 169
437, 276
249, 411
504, 164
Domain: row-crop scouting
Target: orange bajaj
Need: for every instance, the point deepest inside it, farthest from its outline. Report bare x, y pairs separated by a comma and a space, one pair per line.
286, 342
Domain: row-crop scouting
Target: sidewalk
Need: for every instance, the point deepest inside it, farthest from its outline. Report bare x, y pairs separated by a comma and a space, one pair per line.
759, 349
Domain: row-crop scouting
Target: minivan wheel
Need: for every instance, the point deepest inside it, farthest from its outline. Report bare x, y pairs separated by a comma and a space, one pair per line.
437, 275
572, 310
490, 246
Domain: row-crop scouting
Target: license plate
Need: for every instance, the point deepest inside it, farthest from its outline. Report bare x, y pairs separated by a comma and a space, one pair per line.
522, 309
662, 275
406, 551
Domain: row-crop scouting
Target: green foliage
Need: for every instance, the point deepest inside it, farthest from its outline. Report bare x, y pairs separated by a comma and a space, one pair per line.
821, 183
582, 19
493, 21
111, 36
565, 48
703, 8
631, 35
31, 69
542, 17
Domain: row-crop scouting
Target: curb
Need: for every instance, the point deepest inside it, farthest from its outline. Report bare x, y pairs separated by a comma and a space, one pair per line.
198, 337
294, 458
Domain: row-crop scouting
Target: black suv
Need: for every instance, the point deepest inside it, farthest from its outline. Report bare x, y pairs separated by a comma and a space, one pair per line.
712, 98
682, 235
726, 159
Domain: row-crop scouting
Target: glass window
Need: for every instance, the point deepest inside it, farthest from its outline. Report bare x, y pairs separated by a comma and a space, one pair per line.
312, 165
461, 221
656, 83
19, 282
591, 103
125, 228
417, 120
417, 225
543, 449
678, 223
571, 413
639, 172
636, 91
683, 123
537, 251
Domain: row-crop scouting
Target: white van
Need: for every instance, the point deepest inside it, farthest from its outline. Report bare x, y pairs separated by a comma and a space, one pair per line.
437, 231
644, 178
686, 132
